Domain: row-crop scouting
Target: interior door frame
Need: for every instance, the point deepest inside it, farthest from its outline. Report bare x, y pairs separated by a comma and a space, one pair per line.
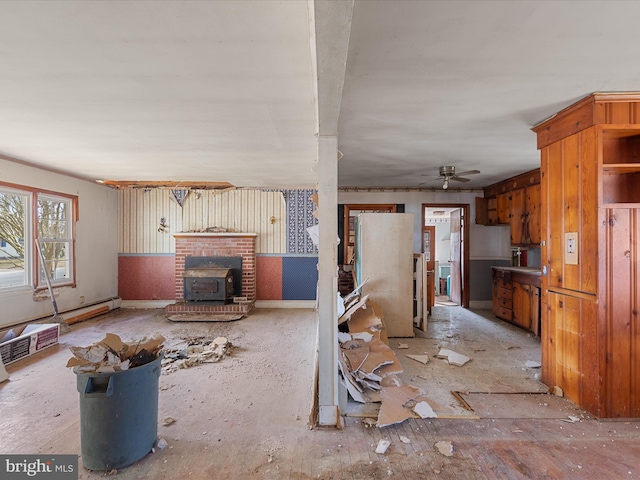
464, 249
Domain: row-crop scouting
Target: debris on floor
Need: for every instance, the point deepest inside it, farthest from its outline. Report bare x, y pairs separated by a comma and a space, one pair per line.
403, 346
424, 410
532, 364
454, 358
113, 355
382, 447
445, 448
419, 358
197, 352
369, 368
168, 421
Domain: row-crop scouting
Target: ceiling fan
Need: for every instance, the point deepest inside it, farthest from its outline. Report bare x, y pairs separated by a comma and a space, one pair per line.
448, 173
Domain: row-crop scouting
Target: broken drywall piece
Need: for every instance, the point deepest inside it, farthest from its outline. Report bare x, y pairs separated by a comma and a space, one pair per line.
404, 439
392, 409
424, 410
419, 358
454, 358
364, 336
571, 419
344, 337
382, 447
353, 309
403, 346
445, 448
369, 422
532, 364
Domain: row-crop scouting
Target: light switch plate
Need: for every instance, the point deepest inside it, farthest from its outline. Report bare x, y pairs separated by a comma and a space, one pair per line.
571, 248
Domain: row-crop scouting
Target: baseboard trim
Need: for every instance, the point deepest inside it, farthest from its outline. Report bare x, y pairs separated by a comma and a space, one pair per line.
285, 304
146, 303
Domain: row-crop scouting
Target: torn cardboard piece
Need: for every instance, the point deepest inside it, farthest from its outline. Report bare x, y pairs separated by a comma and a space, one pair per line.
113, 355
394, 399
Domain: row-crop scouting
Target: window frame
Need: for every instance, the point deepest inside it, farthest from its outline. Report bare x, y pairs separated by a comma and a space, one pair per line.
32, 263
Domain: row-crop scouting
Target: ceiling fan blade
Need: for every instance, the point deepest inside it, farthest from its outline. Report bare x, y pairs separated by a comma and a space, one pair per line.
468, 172
460, 179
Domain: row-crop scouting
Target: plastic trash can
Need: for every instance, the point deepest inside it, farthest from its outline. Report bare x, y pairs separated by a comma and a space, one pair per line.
118, 415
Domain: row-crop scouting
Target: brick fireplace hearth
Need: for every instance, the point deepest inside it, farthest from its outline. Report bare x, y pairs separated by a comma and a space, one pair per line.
216, 245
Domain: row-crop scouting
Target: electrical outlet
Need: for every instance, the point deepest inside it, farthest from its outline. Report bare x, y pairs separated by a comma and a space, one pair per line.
571, 248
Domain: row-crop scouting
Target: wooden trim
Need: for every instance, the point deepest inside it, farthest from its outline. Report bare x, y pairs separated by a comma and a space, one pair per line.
531, 177
166, 184
573, 293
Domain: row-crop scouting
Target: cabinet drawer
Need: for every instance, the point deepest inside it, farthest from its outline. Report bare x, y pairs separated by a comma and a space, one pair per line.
504, 302
504, 313
505, 293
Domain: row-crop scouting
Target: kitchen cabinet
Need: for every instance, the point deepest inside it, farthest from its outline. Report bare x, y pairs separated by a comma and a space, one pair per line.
590, 202
503, 211
516, 296
502, 294
526, 301
524, 211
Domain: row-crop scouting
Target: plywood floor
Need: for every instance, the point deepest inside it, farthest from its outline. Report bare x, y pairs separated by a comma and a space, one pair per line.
246, 416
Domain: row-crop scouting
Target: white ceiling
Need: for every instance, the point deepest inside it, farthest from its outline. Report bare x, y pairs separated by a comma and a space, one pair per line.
227, 91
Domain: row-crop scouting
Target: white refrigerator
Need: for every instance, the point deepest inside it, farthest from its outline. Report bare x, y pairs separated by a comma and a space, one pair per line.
384, 257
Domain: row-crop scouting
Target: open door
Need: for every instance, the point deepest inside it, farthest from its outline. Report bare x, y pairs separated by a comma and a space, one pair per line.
429, 250
457, 249
455, 225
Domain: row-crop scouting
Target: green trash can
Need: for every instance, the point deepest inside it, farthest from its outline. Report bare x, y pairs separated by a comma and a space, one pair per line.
118, 415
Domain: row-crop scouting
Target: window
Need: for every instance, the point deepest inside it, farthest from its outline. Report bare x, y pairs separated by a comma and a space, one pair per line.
29, 220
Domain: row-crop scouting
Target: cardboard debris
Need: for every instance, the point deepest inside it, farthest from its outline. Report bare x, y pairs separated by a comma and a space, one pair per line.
419, 358
393, 408
366, 336
198, 352
113, 355
557, 391
20, 342
453, 358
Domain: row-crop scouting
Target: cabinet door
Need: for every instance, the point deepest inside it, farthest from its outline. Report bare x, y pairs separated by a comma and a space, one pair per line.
533, 214
503, 208
522, 305
518, 217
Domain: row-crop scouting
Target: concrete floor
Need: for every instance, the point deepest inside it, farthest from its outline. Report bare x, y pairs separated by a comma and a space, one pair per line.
246, 416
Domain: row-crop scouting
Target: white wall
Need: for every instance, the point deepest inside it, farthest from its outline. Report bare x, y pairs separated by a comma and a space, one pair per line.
96, 245
484, 242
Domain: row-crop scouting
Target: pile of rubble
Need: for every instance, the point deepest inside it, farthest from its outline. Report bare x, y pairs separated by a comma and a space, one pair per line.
369, 367
113, 355
197, 352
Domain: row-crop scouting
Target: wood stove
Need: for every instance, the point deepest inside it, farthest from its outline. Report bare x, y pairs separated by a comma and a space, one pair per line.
211, 279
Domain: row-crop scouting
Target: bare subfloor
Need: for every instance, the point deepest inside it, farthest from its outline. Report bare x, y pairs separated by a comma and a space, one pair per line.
246, 416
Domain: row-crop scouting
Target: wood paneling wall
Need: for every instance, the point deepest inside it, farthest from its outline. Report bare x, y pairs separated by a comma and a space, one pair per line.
251, 211
590, 338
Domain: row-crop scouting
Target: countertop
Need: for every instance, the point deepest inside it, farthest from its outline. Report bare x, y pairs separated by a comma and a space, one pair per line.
528, 270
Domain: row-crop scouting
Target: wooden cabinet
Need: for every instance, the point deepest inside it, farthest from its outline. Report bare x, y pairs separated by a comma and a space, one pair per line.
502, 298
524, 221
590, 200
526, 301
516, 297
514, 202
503, 208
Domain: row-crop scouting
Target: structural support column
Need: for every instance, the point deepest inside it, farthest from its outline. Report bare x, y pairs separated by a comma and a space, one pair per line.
329, 411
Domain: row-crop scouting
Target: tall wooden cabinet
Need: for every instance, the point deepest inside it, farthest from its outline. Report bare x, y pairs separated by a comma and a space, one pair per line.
590, 205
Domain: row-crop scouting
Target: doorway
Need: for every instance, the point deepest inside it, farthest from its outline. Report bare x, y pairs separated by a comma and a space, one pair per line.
446, 225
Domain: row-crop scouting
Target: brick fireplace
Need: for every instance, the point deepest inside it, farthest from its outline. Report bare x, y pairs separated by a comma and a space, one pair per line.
242, 245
